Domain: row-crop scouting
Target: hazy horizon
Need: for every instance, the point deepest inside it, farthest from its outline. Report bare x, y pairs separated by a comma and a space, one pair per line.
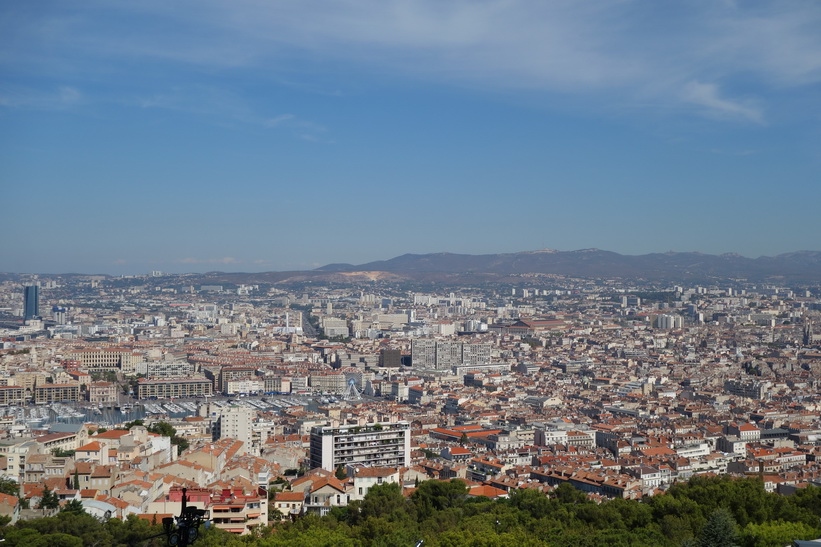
227, 270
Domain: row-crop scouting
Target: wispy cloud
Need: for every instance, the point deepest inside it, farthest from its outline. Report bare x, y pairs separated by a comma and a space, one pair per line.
55, 99
280, 120
207, 100
304, 129
708, 97
620, 52
220, 104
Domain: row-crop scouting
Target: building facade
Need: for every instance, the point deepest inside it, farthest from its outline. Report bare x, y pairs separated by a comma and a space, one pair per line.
235, 422
12, 395
31, 302
167, 389
102, 360
373, 444
56, 393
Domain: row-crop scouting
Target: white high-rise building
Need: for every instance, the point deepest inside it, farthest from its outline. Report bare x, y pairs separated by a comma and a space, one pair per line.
235, 422
372, 444
665, 321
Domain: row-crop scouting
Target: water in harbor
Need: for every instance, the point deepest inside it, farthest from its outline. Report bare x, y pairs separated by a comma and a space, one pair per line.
40, 417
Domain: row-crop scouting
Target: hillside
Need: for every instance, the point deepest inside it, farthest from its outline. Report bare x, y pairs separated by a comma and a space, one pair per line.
801, 266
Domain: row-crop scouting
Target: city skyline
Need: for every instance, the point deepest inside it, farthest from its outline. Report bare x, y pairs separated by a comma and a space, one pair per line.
248, 137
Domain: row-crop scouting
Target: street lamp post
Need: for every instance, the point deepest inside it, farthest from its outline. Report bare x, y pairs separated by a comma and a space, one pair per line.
182, 530
187, 524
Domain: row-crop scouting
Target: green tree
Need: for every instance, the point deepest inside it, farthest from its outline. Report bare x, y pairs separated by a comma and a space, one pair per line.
313, 536
49, 500
180, 443
9, 486
719, 531
433, 496
133, 531
806, 501
57, 540
76, 480
162, 428
274, 514
567, 493
73, 506
384, 501
531, 502
777, 533
340, 473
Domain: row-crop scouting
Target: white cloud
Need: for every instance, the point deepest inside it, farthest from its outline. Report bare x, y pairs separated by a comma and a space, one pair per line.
708, 97
303, 129
69, 95
624, 53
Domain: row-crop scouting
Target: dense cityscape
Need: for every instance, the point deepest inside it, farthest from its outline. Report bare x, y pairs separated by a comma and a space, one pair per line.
119, 392
394, 273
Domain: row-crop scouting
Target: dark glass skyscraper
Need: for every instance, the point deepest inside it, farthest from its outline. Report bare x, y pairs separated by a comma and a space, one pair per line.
32, 302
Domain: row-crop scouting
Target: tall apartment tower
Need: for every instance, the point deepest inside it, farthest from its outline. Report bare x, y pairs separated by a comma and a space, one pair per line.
429, 353
31, 302
373, 444
423, 353
391, 358
476, 354
448, 354
235, 422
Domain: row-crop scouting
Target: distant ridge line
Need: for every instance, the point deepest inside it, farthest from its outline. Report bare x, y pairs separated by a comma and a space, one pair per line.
798, 265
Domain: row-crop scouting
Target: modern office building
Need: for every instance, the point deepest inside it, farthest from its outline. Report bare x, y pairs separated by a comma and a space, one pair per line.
31, 303
59, 315
373, 444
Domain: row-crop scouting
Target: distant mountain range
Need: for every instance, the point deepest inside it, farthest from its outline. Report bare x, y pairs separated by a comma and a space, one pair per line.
804, 266
801, 267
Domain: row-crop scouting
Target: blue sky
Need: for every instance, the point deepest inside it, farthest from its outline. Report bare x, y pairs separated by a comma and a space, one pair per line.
277, 135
